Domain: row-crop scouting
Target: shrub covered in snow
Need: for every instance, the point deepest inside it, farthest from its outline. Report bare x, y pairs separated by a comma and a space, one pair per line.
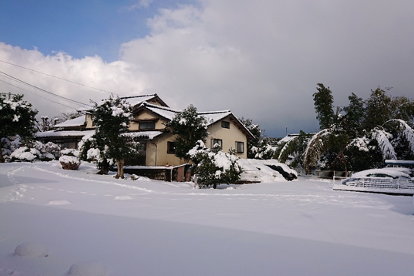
213, 166
49, 151
92, 150
25, 154
69, 159
9, 144
12, 151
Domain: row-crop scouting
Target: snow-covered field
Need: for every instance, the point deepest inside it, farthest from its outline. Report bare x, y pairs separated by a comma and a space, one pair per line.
56, 222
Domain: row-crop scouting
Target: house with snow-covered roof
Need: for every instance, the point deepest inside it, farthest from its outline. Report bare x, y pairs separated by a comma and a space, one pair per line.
68, 134
150, 114
149, 122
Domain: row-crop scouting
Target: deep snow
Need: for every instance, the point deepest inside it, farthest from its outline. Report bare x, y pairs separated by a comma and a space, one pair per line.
89, 224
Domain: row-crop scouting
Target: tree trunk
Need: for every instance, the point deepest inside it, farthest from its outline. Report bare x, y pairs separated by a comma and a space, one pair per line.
120, 165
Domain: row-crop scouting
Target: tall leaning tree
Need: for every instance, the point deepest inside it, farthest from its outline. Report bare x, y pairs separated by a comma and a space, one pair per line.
16, 117
323, 101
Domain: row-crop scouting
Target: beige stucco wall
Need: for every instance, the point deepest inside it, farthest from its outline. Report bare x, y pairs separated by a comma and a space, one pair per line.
158, 156
145, 115
88, 119
229, 137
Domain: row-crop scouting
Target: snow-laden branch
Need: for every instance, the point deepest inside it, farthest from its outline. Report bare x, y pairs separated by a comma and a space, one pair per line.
315, 148
407, 132
384, 143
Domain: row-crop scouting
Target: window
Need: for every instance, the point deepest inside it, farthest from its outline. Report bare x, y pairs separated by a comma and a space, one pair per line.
225, 124
145, 125
170, 147
218, 142
239, 147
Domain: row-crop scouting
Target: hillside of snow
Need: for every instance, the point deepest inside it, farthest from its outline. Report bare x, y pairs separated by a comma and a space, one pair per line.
57, 222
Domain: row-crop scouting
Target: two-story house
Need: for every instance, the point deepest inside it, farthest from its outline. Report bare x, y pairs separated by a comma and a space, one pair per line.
150, 114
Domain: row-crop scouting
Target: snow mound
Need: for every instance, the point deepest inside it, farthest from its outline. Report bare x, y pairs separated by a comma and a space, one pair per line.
87, 269
261, 170
31, 249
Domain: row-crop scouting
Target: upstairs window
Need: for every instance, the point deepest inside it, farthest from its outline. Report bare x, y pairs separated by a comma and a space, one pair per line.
239, 147
146, 125
218, 142
225, 124
171, 147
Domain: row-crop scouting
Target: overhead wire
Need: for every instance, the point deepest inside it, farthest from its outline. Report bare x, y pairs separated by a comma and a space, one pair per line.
74, 82
38, 95
41, 89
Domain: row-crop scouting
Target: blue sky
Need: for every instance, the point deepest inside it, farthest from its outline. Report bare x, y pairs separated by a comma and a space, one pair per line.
260, 59
80, 28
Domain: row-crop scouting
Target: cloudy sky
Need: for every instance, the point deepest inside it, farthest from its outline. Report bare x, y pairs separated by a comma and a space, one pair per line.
260, 59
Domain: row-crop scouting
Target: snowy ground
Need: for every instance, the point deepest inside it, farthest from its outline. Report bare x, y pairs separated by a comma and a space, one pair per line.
88, 224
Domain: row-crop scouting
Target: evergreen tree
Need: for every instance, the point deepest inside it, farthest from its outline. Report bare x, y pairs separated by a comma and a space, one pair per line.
323, 101
377, 110
364, 153
402, 108
16, 117
111, 118
258, 147
355, 112
188, 128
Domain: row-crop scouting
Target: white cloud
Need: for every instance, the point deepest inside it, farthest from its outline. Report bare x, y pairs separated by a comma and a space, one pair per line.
115, 77
260, 59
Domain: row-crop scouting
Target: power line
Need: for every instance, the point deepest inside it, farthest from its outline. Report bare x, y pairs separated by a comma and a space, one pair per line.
59, 78
41, 89
37, 95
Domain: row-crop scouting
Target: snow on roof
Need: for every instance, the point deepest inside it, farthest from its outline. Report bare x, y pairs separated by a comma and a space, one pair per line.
168, 113
214, 116
165, 112
64, 133
79, 121
144, 134
288, 138
135, 100
210, 116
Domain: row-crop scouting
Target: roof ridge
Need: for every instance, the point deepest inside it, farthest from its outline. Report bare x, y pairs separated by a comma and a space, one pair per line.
215, 112
159, 107
138, 96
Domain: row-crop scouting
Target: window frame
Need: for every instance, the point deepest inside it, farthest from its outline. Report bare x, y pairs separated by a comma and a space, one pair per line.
170, 147
225, 124
238, 143
146, 123
217, 141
